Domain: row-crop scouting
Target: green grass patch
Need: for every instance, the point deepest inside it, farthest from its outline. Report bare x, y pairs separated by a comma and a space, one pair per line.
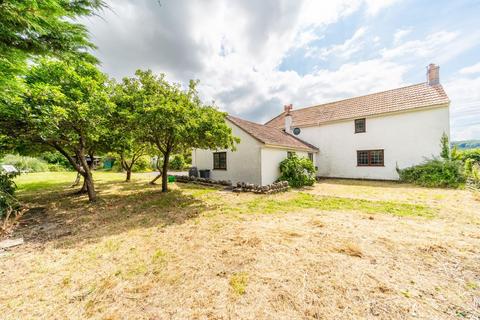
40, 181
238, 282
308, 201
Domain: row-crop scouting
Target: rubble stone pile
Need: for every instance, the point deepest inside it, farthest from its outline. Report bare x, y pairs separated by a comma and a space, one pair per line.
280, 186
203, 181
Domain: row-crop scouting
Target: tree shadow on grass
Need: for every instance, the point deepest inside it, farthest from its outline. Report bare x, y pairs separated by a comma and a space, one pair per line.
66, 220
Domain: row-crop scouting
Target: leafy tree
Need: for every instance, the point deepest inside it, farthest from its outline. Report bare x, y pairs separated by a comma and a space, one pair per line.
30, 28
173, 120
178, 162
125, 134
297, 171
66, 108
445, 144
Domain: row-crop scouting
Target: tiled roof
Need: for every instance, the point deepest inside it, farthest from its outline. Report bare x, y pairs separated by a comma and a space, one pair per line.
412, 97
271, 135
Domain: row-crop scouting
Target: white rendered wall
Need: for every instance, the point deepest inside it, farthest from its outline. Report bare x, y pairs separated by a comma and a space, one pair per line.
271, 158
407, 139
243, 165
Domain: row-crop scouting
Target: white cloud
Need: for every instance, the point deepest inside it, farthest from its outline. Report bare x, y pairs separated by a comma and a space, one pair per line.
375, 6
400, 34
344, 50
431, 46
236, 47
464, 94
471, 69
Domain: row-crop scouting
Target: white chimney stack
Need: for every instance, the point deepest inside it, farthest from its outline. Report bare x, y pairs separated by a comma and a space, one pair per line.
288, 118
433, 74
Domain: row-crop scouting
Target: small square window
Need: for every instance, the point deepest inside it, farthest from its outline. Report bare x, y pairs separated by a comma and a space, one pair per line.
220, 161
290, 154
360, 125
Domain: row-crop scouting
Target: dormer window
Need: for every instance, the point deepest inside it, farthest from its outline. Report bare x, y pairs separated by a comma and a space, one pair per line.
360, 125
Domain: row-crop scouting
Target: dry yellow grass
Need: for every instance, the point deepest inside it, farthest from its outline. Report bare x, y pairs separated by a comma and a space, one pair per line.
202, 253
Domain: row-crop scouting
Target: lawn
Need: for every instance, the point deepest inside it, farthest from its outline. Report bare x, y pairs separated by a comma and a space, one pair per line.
338, 250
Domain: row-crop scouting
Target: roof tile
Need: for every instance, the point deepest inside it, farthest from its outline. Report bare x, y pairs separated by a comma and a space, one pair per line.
271, 135
406, 98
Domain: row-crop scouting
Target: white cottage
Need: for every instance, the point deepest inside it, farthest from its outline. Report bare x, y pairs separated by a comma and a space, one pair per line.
364, 137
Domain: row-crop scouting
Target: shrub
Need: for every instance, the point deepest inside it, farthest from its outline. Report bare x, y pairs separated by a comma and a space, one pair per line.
142, 164
435, 173
471, 154
27, 164
56, 158
7, 190
177, 163
297, 171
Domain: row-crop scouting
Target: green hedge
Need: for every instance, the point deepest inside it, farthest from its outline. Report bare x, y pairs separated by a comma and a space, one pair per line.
435, 173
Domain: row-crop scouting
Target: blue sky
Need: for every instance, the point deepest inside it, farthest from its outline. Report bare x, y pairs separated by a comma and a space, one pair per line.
252, 57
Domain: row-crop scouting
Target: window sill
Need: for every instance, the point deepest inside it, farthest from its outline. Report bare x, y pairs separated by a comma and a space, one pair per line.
362, 166
219, 169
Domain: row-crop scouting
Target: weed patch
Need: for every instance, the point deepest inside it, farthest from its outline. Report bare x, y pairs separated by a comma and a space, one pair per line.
239, 282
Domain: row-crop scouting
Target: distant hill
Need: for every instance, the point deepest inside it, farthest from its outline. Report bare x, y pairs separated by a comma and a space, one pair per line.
466, 144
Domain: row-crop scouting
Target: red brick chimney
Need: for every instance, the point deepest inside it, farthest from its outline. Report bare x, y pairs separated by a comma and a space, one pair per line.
433, 74
288, 117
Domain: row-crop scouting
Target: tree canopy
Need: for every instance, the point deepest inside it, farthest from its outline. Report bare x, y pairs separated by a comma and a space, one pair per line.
173, 119
66, 107
32, 28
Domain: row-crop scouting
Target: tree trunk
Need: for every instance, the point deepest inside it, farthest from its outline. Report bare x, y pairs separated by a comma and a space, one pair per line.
165, 172
92, 195
77, 180
84, 187
129, 174
87, 175
160, 171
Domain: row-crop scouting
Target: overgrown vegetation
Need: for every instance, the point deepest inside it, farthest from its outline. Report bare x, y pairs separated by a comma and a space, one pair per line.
446, 172
25, 163
435, 173
8, 202
297, 171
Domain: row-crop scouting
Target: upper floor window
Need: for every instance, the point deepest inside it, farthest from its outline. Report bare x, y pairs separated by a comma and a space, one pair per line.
310, 156
290, 154
360, 125
370, 158
220, 161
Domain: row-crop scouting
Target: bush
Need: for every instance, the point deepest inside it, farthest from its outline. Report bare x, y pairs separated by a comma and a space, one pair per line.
435, 173
471, 154
7, 190
177, 163
56, 158
297, 171
142, 164
27, 164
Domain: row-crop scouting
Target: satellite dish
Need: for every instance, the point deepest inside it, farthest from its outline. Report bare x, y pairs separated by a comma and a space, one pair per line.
296, 131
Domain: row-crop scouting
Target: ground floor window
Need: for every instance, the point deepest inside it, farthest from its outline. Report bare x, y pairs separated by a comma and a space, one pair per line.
370, 158
290, 154
220, 161
310, 156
